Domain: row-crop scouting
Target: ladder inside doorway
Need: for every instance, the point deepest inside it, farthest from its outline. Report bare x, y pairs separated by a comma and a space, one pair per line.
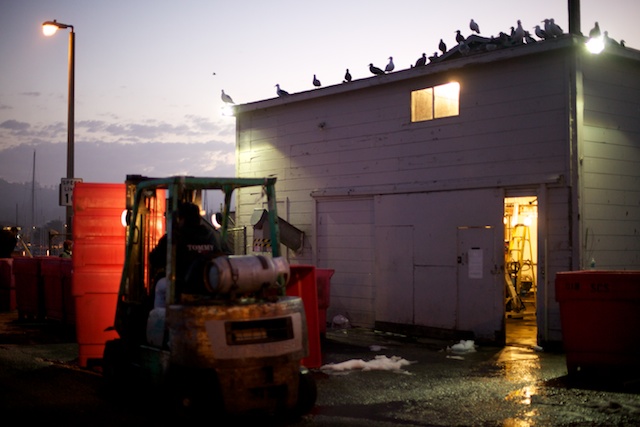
519, 271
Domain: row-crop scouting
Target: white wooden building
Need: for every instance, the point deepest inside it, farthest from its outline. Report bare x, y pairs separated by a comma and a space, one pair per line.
412, 186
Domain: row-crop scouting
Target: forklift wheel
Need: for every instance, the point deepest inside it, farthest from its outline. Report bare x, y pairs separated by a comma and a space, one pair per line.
307, 392
114, 366
195, 390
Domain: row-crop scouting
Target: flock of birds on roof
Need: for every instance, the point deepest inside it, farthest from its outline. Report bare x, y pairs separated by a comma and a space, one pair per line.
517, 36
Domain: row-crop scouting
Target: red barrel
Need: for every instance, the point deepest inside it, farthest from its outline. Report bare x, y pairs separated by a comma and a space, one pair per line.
29, 290
323, 277
7, 285
600, 317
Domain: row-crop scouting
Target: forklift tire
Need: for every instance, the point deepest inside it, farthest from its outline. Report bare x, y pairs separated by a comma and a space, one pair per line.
194, 391
114, 366
307, 392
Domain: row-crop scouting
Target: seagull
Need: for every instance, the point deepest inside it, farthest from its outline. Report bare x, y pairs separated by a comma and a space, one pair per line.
443, 47
595, 31
518, 34
390, 66
551, 28
528, 38
347, 76
422, 60
375, 70
542, 34
316, 82
226, 98
459, 37
555, 28
463, 48
474, 26
281, 92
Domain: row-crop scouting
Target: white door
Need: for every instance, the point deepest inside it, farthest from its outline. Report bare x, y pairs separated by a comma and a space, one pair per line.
480, 305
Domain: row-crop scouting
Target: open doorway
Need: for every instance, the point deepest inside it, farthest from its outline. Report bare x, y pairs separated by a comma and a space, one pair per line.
520, 265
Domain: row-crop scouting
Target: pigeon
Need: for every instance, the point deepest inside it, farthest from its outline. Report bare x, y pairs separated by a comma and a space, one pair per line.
281, 92
375, 70
459, 37
226, 98
443, 47
422, 60
518, 34
390, 66
316, 82
542, 34
474, 26
595, 31
433, 57
607, 39
347, 76
623, 43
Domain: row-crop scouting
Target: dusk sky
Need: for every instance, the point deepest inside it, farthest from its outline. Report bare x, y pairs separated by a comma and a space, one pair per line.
147, 100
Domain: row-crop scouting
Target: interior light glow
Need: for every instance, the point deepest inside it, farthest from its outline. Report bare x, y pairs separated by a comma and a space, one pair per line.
123, 218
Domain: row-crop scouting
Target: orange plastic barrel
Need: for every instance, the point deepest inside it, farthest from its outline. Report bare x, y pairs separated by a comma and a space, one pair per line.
302, 283
98, 259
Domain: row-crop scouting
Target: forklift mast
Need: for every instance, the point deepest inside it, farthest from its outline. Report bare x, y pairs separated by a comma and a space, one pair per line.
152, 204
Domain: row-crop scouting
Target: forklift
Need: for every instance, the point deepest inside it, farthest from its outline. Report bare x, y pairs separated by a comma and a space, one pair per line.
233, 347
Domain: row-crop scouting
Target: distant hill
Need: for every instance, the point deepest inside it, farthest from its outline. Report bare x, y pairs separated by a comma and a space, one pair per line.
26, 205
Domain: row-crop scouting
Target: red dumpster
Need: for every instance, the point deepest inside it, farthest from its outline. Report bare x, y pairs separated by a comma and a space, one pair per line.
600, 318
302, 283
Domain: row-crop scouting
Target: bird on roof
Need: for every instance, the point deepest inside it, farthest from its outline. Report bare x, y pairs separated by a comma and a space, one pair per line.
474, 26
375, 70
464, 48
347, 76
281, 92
459, 37
422, 60
551, 28
316, 82
607, 39
433, 57
623, 43
518, 34
390, 66
555, 28
226, 98
528, 38
442, 46
595, 31
542, 34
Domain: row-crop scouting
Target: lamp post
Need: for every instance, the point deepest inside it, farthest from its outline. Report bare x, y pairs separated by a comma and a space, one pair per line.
49, 28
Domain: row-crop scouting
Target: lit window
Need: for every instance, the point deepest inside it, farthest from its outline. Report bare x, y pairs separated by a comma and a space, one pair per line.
435, 102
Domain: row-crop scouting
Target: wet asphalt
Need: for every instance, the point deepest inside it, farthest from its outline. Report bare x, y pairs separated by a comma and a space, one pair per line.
518, 385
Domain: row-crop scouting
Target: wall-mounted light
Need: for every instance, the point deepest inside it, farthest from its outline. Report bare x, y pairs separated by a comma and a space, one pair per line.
595, 45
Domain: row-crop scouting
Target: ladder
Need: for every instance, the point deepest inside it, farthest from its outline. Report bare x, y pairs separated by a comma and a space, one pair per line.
519, 266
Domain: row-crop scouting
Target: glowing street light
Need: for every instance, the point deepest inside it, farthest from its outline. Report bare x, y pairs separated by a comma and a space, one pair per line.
49, 28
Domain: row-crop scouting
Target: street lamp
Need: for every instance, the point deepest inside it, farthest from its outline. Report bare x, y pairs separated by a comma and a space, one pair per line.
49, 28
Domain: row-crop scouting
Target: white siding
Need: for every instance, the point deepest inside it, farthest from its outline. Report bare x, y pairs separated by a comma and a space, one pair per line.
610, 164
